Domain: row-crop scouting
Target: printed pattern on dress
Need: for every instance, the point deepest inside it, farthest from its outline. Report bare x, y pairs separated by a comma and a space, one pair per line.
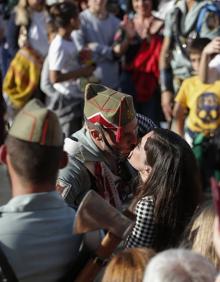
144, 230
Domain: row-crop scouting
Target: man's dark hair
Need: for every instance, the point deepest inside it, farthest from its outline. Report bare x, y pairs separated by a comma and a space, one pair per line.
197, 45
62, 13
34, 163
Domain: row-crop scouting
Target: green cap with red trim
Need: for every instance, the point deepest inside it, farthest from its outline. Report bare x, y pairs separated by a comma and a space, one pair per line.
107, 107
37, 124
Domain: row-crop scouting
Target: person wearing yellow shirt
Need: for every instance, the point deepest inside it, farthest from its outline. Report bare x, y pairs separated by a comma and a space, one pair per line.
197, 105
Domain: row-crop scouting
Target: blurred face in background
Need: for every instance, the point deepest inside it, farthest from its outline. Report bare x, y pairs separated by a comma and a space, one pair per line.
142, 7
37, 5
97, 6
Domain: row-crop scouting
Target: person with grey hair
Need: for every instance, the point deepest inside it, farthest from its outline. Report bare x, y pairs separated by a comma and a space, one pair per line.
179, 265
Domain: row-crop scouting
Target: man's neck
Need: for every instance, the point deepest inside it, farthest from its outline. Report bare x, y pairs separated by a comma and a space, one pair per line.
190, 3
102, 14
22, 187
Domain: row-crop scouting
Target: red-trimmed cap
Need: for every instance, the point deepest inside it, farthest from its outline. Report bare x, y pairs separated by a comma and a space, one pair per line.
107, 107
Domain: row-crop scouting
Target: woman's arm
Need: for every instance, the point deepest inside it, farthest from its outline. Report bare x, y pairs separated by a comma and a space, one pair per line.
143, 232
124, 36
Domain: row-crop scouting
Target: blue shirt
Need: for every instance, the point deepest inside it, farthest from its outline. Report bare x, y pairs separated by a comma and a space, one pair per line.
36, 235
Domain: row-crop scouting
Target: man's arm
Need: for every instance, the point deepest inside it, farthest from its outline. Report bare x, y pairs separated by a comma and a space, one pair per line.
166, 79
179, 119
100, 51
73, 182
58, 76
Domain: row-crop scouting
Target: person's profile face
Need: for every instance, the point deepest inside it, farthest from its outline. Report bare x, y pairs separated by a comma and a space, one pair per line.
137, 157
128, 139
37, 5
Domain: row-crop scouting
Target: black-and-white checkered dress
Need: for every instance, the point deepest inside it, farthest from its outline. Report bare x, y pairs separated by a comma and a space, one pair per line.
144, 230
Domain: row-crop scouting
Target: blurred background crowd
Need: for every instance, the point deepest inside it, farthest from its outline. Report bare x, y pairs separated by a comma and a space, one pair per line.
166, 56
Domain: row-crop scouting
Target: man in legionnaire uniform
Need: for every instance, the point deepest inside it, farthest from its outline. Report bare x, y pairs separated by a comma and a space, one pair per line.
36, 224
108, 136
187, 20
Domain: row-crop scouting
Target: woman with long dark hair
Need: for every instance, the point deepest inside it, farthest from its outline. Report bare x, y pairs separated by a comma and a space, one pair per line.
169, 189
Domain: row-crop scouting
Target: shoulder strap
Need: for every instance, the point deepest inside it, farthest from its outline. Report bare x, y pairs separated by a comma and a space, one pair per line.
6, 272
177, 32
213, 8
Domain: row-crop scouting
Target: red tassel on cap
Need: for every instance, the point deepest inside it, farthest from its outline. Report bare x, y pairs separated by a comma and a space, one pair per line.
118, 134
119, 129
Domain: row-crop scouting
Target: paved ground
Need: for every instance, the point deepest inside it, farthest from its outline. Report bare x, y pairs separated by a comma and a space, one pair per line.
4, 186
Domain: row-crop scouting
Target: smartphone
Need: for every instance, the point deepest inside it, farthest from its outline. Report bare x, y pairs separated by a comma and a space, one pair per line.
215, 187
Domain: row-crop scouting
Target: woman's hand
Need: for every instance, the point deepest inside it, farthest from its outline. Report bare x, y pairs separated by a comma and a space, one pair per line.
128, 26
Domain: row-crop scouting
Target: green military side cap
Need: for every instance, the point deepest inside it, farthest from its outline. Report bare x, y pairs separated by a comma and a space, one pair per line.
108, 107
37, 124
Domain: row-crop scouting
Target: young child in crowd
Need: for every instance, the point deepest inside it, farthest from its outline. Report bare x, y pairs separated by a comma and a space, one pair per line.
64, 66
201, 100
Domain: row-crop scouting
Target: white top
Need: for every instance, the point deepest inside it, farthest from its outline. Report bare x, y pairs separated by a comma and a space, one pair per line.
37, 33
100, 32
63, 57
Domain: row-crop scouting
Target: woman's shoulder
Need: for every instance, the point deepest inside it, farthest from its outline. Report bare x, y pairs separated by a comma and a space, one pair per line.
156, 26
146, 200
145, 207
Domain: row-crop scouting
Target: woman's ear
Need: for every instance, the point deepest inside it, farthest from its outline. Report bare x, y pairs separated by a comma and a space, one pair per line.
3, 154
145, 173
148, 169
63, 160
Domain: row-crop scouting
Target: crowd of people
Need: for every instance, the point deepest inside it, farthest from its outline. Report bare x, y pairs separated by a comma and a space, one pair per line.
122, 98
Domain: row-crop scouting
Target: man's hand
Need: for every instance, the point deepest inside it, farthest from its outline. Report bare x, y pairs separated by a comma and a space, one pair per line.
92, 46
85, 56
87, 71
167, 104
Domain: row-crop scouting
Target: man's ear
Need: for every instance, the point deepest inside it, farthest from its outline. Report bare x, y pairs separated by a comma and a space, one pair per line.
63, 160
96, 135
3, 154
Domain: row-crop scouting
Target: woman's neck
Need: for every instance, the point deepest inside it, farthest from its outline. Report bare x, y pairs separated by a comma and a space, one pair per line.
143, 25
142, 18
